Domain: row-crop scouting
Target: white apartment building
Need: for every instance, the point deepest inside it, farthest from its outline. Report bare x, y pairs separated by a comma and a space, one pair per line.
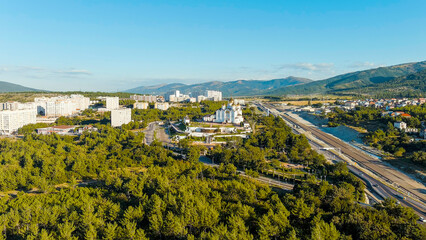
11, 121
17, 106
62, 105
231, 113
81, 102
112, 103
144, 98
162, 106
120, 117
214, 95
140, 105
177, 97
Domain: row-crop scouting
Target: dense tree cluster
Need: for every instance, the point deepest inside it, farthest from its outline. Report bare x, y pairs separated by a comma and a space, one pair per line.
273, 140
134, 191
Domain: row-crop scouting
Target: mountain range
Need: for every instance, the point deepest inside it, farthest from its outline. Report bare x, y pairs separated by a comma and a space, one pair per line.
11, 87
355, 80
233, 88
407, 79
348, 83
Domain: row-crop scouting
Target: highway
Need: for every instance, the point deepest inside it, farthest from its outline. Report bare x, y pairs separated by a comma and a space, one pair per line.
377, 175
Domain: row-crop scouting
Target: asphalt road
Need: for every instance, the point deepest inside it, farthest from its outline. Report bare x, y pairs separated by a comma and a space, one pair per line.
376, 166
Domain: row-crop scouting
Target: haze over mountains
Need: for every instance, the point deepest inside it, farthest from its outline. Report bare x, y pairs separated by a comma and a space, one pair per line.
346, 83
232, 88
408, 78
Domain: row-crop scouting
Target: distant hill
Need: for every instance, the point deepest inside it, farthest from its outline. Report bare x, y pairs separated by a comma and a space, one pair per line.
233, 88
413, 85
355, 80
11, 87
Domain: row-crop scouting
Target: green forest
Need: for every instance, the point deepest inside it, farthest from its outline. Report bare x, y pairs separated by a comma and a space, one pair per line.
109, 185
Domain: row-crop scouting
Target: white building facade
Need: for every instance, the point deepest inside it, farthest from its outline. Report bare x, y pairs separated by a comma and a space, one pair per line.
231, 113
214, 95
112, 103
11, 121
62, 105
120, 117
140, 105
161, 106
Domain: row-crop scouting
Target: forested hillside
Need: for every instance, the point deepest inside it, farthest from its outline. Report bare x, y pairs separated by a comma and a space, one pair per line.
355, 80
413, 85
229, 89
11, 87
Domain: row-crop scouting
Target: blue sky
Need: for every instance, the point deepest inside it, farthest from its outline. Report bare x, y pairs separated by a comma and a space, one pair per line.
117, 45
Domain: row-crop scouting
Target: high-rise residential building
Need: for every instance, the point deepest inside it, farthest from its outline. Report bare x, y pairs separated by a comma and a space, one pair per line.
11, 121
121, 116
214, 95
177, 97
140, 105
112, 103
61, 105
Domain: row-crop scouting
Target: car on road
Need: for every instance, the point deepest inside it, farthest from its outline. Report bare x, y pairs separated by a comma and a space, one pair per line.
421, 219
400, 196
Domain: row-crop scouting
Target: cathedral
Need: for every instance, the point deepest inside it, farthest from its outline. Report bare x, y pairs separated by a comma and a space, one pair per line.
230, 113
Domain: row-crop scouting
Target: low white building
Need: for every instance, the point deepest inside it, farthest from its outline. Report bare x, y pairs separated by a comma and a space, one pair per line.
120, 117
209, 118
400, 125
240, 101
11, 121
201, 98
231, 113
61, 130
140, 105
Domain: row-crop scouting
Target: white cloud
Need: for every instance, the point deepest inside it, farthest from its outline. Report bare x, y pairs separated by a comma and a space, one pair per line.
43, 72
316, 67
75, 72
363, 65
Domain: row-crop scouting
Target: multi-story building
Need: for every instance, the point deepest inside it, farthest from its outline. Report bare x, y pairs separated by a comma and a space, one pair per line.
144, 98
177, 97
112, 103
62, 105
162, 106
11, 121
214, 95
120, 117
140, 105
